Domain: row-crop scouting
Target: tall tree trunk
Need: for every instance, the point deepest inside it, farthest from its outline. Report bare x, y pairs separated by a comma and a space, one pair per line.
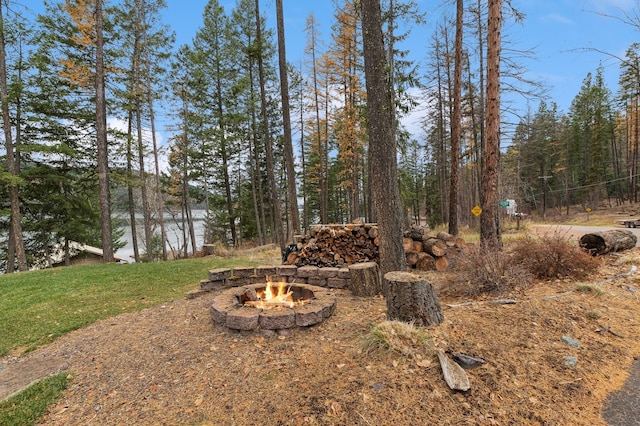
146, 215
314, 64
275, 198
479, 148
225, 164
130, 195
382, 147
305, 213
456, 122
101, 136
156, 162
16, 238
490, 238
256, 184
286, 121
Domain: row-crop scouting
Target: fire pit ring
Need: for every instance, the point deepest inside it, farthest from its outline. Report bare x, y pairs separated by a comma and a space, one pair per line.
228, 310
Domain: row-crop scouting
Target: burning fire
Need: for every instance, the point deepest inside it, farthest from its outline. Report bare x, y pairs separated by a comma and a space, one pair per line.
273, 296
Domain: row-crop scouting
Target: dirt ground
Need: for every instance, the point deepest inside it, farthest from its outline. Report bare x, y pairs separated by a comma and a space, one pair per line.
171, 365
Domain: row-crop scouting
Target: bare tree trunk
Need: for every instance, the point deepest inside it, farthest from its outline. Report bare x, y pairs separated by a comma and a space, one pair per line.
275, 198
382, 147
146, 216
490, 238
256, 184
152, 122
101, 136
316, 106
305, 213
479, 148
16, 238
130, 195
456, 122
286, 121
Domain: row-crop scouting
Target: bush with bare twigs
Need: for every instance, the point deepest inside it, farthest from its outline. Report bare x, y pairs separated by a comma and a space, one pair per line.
553, 256
481, 272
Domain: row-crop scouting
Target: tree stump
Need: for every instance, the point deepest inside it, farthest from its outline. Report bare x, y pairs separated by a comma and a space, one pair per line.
412, 299
608, 241
365, 279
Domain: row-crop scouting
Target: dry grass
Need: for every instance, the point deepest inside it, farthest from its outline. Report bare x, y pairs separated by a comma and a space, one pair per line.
400, 337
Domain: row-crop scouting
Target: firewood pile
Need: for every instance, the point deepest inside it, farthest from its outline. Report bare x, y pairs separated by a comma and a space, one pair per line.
343, 245
336, 245
428, 253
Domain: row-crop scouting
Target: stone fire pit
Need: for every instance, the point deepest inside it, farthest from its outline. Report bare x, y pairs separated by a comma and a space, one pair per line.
228, 309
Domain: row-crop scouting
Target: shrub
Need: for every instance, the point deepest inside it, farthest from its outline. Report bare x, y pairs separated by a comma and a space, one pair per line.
552, 256
489, 272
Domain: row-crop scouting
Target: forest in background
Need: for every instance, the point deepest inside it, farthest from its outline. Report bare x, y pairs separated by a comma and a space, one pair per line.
260, 173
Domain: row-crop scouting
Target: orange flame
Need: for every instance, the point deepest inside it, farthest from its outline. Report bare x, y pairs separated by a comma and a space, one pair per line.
273, 296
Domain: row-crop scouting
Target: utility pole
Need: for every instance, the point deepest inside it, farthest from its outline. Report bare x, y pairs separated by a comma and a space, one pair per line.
544, 196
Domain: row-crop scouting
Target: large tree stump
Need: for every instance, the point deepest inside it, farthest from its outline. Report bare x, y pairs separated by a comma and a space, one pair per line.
608, 241
410, 298
365, 279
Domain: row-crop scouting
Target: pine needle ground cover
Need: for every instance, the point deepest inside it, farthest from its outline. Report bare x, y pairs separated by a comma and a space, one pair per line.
169, 364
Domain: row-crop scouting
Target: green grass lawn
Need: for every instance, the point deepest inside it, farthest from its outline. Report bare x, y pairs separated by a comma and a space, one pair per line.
28, 406
37, 307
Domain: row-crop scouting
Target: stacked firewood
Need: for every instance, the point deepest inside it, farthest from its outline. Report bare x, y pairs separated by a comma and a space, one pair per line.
336, 245
343, 245
428, 253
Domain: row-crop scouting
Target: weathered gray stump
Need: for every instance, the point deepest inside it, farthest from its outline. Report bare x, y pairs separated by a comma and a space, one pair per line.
365, 279
411, 298
608, 241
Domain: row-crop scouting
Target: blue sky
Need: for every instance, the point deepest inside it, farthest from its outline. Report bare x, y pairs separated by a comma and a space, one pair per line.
560, 31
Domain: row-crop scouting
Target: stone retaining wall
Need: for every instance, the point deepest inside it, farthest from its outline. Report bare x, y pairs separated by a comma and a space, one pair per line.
222, 278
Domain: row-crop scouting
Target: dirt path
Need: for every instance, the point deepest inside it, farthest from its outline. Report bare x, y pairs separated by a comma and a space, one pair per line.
17, 374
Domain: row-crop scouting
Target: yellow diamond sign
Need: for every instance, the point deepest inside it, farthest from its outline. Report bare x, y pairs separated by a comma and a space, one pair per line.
477, 211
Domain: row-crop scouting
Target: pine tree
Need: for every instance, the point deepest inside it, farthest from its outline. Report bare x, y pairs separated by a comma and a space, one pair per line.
12, 176
382, 149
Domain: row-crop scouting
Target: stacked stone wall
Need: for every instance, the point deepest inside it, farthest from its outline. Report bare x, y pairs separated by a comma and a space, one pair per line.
222, 278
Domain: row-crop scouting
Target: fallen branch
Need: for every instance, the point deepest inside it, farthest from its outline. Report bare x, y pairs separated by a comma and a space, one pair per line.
557, 296
617, 277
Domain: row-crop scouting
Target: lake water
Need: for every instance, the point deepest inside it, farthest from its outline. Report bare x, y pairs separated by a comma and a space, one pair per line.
174, 235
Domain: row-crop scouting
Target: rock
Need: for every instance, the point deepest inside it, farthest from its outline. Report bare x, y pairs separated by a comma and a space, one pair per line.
454, 375
466, 361
571, 361
570, 341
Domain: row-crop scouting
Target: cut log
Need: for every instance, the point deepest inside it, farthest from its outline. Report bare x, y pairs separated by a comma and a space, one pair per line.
412, 299
291, 258
412, 258
416, 233
435, 247
365, 279
598, 243
373, 232
407, 244
441, 263
417, 246
425, 262
454, 375
445, 236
